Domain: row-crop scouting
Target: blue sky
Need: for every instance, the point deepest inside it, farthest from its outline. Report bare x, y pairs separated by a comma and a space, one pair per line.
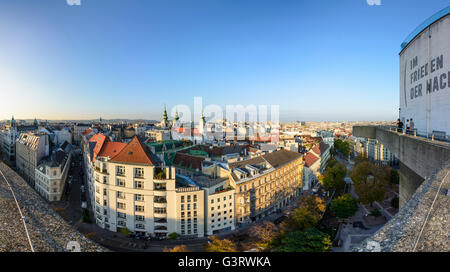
318, 60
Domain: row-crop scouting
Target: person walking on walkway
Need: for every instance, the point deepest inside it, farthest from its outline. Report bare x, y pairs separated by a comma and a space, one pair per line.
411, 126
399, 125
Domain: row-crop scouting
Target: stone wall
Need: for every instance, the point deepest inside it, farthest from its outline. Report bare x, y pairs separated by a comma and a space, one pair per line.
48, 231
422, 224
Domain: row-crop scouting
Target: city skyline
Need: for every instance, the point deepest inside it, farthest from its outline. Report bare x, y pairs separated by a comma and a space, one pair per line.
83, 62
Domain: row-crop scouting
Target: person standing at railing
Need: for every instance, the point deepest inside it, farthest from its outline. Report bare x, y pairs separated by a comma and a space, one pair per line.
399, 125
407, 126
411, 126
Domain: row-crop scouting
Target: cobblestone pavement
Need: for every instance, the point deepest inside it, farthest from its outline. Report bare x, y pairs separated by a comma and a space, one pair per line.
48, 231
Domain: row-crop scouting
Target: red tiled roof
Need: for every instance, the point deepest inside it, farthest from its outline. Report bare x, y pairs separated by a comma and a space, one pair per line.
136, 153
320, 148
111, 149
310, 159
87, 131
187, 161
99, 139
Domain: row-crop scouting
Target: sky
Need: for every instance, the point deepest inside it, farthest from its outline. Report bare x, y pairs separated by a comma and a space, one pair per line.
321, 60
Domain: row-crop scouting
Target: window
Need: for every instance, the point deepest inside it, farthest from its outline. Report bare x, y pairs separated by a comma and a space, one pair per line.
138, 172
140, 226
121, 205
121, 215
195, 198
212, 201
182, 207
139, 197
120, 182
121, 223
182, 199
160, 210
195, 206
120, 171
188, 198
138, 184
188, 206
139, 208
139, 218
121, 195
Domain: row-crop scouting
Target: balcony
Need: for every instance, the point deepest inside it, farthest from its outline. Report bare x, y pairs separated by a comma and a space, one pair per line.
159, 174
159, 187
101, 171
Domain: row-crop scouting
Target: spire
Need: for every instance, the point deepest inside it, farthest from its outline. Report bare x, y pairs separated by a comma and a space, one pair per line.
202, 118
13, 122
176, 115
165, 113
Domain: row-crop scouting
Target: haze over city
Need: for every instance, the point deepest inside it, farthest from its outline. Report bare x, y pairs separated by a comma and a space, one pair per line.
115, 60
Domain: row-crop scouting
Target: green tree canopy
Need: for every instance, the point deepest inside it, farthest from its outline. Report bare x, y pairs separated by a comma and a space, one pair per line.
334, 177
342, 147
344, 206
370, 181
301, 218
308, 240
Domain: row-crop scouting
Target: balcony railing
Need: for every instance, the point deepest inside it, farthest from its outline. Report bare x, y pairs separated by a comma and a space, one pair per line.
431, 135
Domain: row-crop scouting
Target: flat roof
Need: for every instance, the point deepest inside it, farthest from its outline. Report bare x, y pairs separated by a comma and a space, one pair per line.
438, 15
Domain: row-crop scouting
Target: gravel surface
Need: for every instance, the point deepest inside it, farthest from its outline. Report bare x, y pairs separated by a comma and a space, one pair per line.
48, 231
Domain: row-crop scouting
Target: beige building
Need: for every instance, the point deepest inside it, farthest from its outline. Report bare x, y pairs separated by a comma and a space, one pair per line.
30, 149
51, 175
130, 190
265, 184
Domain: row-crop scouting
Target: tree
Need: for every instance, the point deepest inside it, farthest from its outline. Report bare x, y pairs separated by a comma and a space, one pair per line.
314, 203
370, 182
344, 206
218, 245
342, 147
360, 158
263, 234
308, 240
173, 236
334, 177
179, 248
301, 218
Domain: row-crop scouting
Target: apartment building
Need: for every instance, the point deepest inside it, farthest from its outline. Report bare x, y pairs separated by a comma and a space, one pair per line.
30, 149
78, 131
8, 137
266, 183
131, 189
377, 152
51, 173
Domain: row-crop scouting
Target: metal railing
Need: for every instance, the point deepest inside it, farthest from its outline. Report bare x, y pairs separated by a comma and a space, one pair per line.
440, 136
